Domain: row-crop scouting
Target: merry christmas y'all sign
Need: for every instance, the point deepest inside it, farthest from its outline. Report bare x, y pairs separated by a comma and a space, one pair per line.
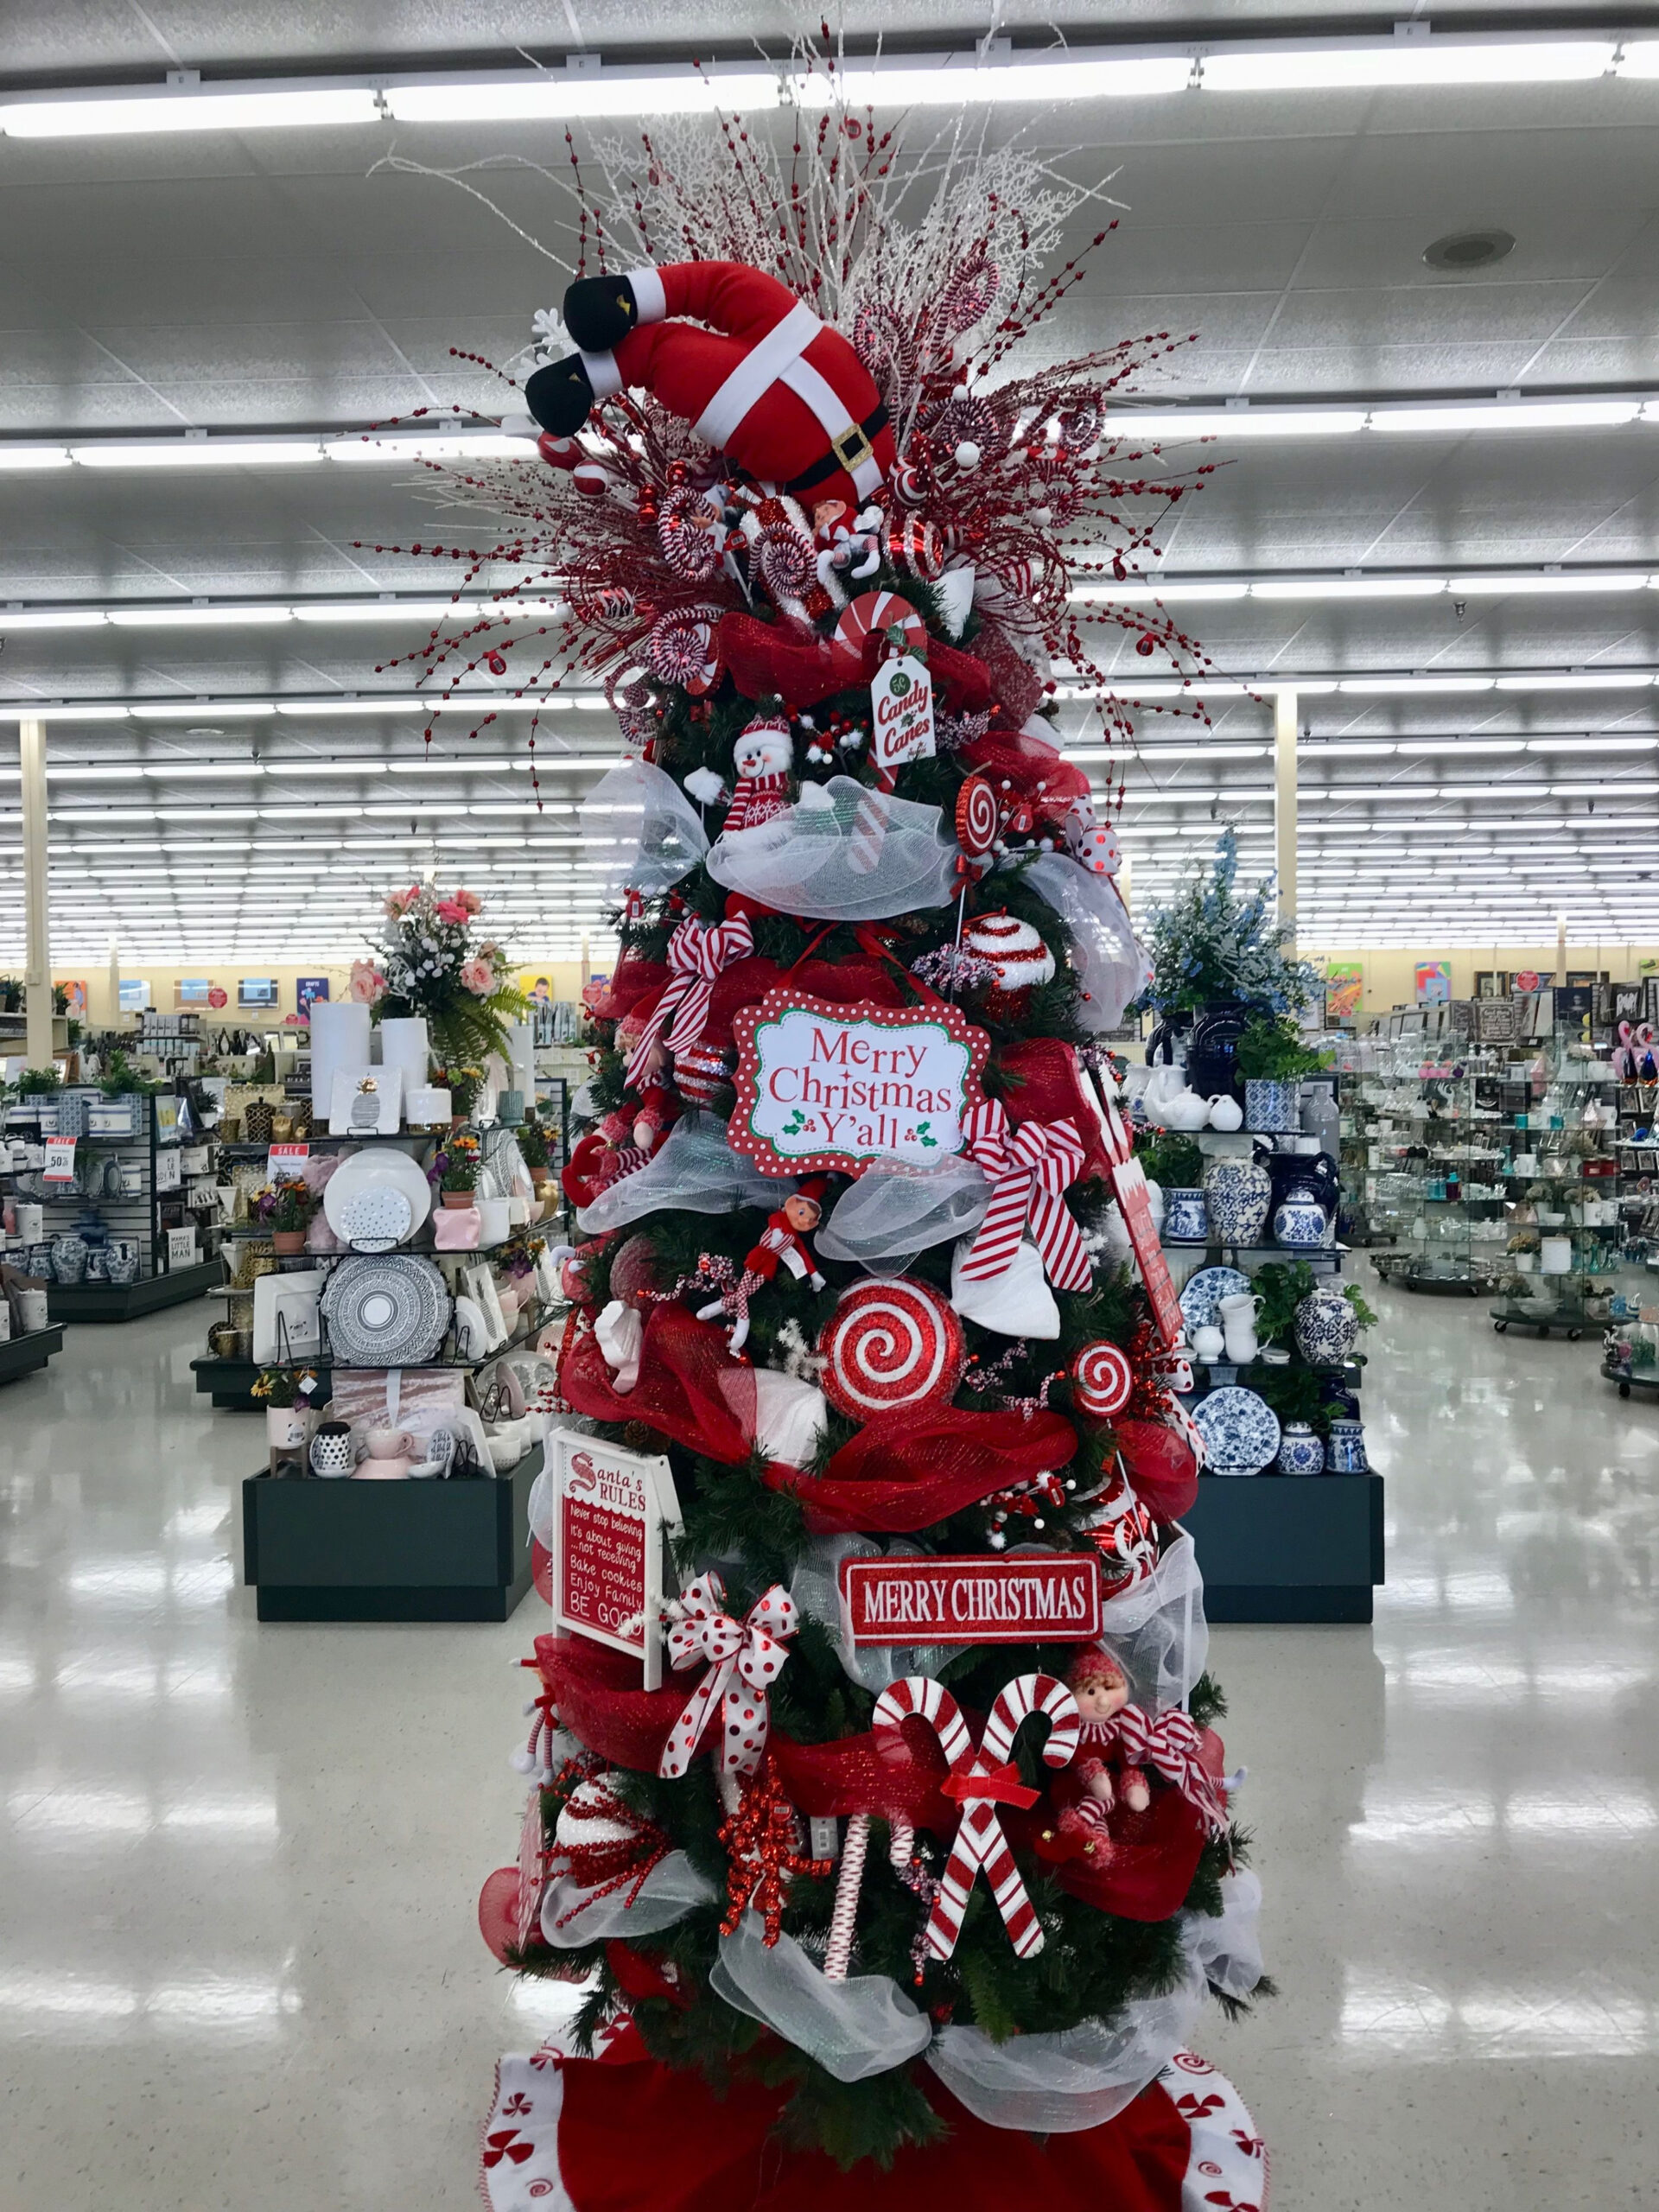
1035, 1597
821, 1087
610, 1509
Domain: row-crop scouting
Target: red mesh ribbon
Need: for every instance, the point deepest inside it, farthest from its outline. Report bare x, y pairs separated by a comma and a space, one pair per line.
1045, 1085
634, 979
1162, 1471
689, 1386
895, 1774
907, 1469
1025, 762
598, 1694
857, 982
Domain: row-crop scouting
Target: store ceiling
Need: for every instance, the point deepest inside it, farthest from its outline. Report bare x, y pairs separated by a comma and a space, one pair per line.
270, 281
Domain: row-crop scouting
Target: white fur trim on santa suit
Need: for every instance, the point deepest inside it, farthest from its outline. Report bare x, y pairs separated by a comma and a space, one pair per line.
602, 373
649, 297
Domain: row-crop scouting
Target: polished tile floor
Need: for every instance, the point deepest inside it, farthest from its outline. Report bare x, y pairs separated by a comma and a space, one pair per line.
238, 1965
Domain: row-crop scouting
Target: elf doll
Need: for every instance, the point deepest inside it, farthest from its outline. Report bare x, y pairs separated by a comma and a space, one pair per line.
763, 757
783, 1244
1102, 1690
783, 394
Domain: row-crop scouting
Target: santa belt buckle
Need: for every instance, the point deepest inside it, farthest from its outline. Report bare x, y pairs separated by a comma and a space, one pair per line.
851, 447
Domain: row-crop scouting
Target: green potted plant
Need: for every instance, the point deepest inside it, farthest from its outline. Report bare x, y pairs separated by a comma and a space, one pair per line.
286, 1209
285, 1393
455, 1169
463, 1082
1273, 1059
38, 1083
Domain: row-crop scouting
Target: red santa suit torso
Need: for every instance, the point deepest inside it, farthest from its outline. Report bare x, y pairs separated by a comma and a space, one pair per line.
769, 384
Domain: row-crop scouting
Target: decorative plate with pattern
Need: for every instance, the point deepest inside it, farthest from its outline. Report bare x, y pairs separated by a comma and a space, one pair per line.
1240, 1431
387, 1310
375, 1198
1203, 1291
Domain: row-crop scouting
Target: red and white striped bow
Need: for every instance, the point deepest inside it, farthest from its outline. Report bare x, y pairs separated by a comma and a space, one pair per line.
743, 1658
697, 952
980, 1781
1031, 1165
1171, 1744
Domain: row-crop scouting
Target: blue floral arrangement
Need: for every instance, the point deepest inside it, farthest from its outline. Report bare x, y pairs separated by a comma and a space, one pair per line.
1211, 944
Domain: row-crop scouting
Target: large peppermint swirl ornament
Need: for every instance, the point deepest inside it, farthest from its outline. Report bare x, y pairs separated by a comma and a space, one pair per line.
978, 817
891, 1342
1102, 1379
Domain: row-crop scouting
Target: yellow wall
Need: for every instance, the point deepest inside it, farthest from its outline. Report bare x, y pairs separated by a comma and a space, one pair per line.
1391, 980
564, 977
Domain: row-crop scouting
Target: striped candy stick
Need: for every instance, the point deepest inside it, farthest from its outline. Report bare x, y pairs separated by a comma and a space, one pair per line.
901, 1843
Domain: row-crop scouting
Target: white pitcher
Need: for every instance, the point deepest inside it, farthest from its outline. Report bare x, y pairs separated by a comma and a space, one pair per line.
1238, 1325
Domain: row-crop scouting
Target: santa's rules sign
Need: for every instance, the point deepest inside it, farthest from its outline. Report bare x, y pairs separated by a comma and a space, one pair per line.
610, 1508
821, 1086
1035, 1597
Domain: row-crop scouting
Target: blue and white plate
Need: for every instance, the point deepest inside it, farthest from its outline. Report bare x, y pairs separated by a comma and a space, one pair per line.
1202, 1293
1240, 1430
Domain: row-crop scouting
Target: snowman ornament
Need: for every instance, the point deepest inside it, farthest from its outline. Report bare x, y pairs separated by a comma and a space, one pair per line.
763, 758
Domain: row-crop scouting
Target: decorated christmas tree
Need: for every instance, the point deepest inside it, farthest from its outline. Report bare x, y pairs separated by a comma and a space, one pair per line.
875, 1791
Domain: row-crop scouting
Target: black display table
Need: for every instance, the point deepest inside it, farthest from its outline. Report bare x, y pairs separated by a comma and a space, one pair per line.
28, 1354
1288, 1548
111, 1301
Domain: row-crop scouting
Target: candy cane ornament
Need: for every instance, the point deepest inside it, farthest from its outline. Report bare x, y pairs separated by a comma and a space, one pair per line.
981, 1780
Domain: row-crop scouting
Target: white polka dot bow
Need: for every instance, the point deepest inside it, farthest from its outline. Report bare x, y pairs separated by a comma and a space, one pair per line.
743, 1657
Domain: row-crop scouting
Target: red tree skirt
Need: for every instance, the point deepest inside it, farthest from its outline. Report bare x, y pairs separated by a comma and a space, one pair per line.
621, 2133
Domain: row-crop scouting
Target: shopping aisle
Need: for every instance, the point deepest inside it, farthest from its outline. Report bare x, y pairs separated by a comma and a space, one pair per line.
240, 1966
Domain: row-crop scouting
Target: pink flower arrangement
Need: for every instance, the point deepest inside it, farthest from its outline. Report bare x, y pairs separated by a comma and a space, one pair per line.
476, 975
397, 903
470, 900
451, 911
368, 984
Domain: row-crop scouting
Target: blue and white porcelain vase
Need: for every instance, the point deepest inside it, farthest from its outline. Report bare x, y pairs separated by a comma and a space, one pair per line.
1346, 1455
1327, 1327
1299, 1221
1273, 1107
1300, 1451
1186, 1220
1237, 1195
121, 1262
68, 1258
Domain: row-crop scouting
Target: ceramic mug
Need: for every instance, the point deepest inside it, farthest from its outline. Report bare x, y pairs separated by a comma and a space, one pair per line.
1185, 1220
1346, 1455
331, 1453
494, 1223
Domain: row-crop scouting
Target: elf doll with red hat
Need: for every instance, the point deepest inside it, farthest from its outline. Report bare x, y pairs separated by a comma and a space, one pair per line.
766, 382
783, 1244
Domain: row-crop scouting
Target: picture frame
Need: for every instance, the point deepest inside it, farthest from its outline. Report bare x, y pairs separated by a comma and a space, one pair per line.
365, 1102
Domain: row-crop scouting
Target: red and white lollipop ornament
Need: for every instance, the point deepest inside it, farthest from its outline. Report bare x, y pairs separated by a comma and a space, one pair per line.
891, 1342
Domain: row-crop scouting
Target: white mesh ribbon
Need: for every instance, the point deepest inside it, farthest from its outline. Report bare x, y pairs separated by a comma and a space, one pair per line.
1156, 1630
892, 1213
815, 1588
696, 1172
644, 829
843, 854
1059, 2084
1228, 1947
1107, 960
854, 2029
672, 1889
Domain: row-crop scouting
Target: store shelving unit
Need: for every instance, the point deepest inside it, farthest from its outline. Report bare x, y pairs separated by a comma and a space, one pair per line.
1562, 1174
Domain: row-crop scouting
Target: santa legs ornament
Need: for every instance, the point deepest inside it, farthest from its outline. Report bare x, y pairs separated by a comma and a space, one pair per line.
756, 374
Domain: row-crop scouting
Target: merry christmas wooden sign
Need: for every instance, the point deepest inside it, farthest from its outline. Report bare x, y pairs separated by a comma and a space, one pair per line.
823, 1087
1035, 1597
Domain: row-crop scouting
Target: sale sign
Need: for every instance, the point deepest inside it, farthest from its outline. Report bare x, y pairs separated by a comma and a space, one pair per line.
610, 1509
60, 1161
821, 1086
901, 716
286, 1162
1035, 1597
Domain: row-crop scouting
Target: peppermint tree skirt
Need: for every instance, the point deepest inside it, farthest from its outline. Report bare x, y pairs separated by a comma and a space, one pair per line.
622, 2133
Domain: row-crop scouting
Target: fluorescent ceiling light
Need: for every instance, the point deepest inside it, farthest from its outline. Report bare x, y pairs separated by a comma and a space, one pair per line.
1461, 745
27, 457
166, 770
1619, 679
199, 452
191, 710
306, 768
949, 83
1171, 595
460, 445
89, 711
1507, 415
377, 610
1342, 748
384, 703
1552, 586
194, 618
183, 107
1348, 588
1591, 744
1411, 686
1373, 64
554, 94
1237, 422
66, 618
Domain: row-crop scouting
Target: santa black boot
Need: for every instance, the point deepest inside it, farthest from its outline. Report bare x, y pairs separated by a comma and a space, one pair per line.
600, 311
561, 396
